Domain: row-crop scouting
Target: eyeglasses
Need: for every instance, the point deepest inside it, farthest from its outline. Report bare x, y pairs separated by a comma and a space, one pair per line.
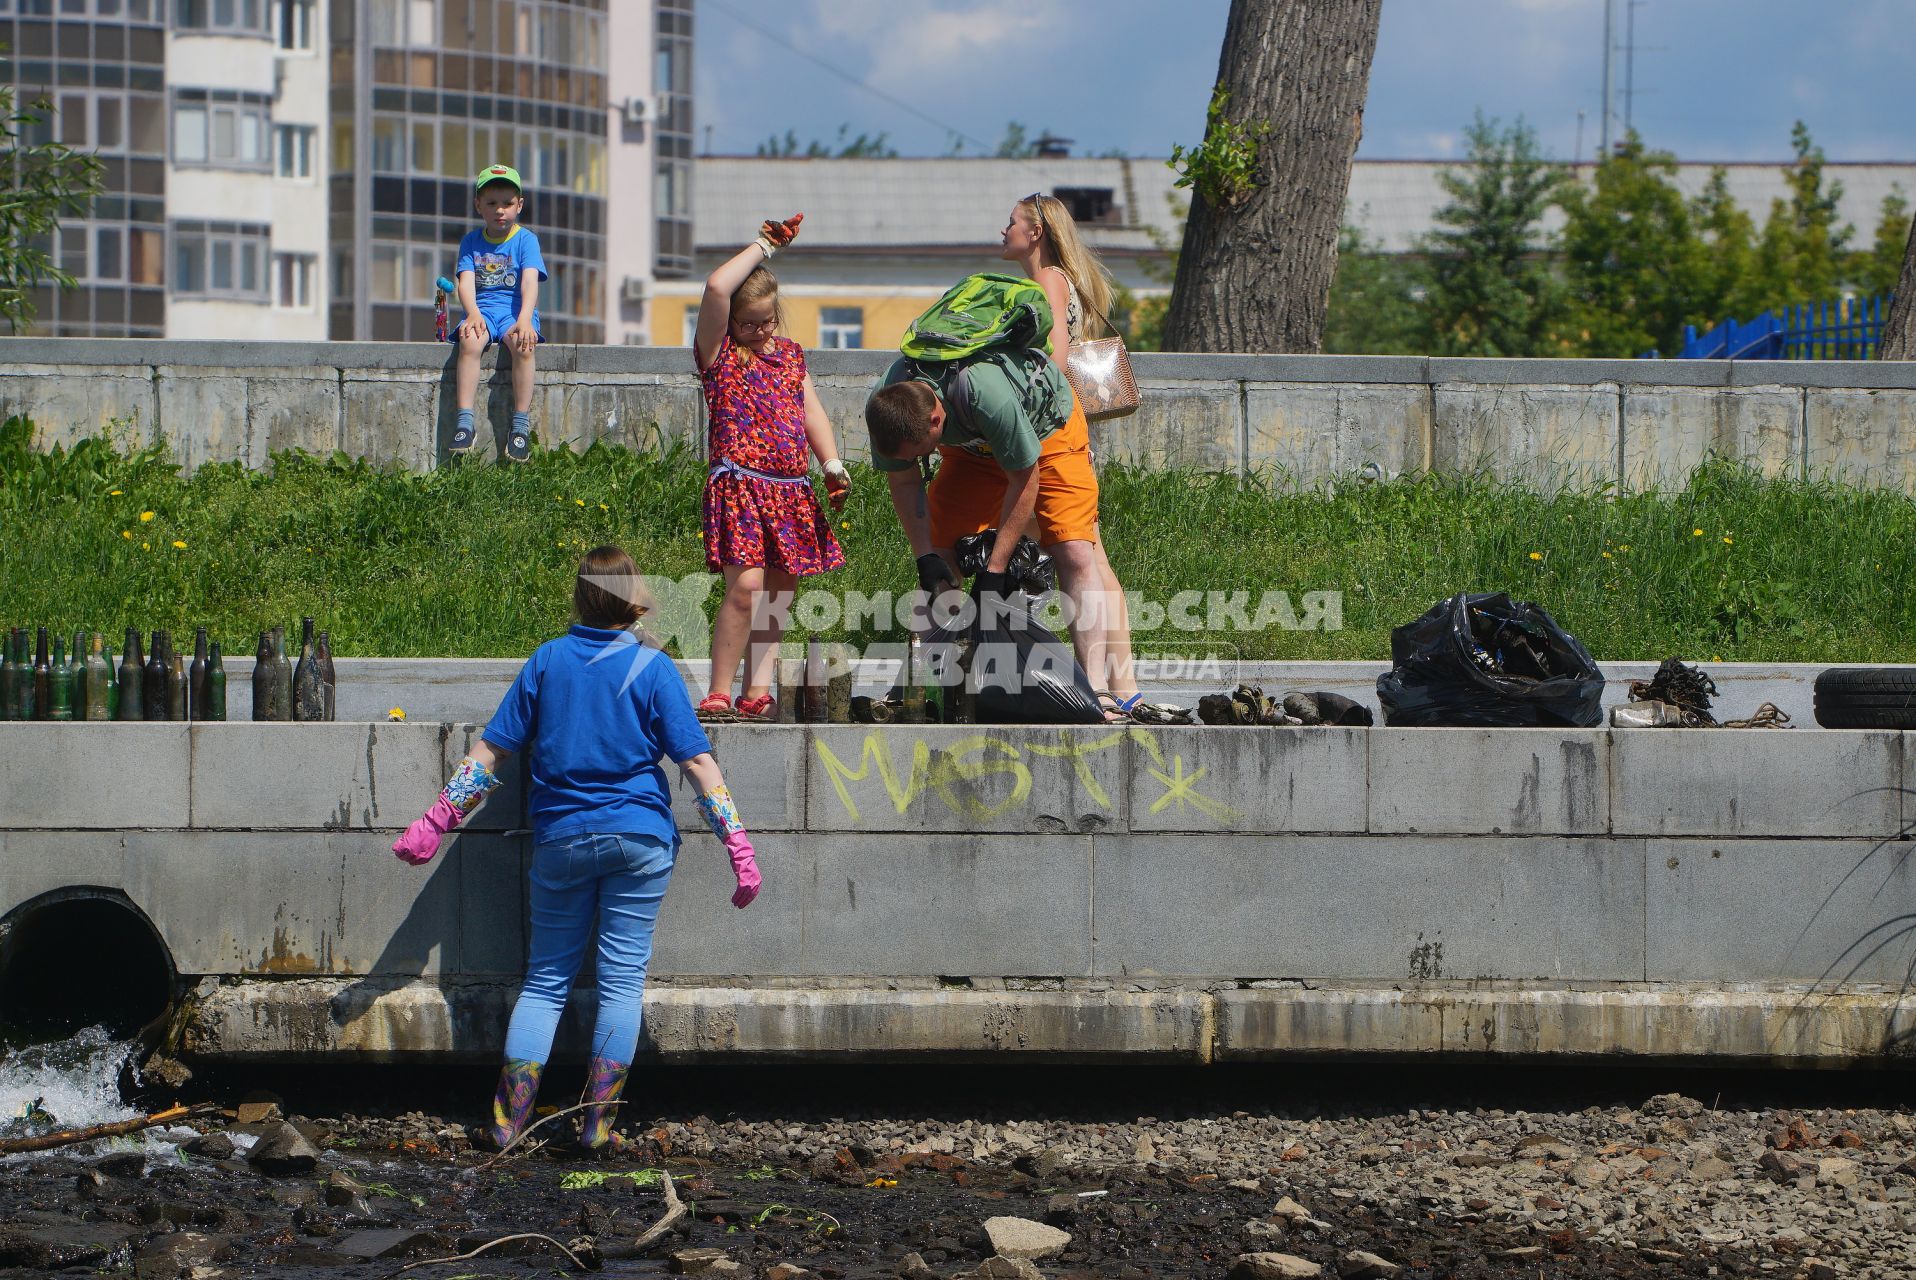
1036, 201
755, 326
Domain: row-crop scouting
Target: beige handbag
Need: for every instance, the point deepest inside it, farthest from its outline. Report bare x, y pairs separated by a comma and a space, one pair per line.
1100, 374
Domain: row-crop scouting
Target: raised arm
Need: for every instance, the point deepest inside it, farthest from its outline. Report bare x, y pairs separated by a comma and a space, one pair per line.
715, 307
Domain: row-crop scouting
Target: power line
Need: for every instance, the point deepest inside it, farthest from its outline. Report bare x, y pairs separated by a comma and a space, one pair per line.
848, 77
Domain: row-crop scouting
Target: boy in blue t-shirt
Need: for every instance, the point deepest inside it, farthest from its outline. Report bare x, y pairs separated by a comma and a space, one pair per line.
498, 272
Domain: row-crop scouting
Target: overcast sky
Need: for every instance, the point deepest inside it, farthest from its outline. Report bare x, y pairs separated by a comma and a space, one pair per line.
1715, 79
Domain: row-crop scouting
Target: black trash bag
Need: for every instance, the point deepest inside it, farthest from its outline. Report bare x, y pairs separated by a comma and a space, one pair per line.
1022, 673
1030, 569
1489, 660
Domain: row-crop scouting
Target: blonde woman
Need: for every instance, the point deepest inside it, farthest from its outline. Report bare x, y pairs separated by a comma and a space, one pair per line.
1042, 239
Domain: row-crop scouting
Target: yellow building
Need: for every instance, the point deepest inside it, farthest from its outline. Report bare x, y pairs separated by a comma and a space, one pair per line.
882, 239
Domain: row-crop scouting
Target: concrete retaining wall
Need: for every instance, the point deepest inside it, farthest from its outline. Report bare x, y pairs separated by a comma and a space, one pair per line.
1302, 418
1194, 894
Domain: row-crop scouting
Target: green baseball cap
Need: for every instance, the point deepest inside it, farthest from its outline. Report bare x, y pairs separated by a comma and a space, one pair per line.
498, 173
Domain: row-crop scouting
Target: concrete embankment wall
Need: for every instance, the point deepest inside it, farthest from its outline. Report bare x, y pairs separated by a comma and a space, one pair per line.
1184, 894
1631, 423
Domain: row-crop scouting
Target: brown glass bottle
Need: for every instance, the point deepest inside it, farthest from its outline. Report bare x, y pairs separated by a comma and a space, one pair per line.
176, 687
309, 693
98, 678
263, 681
60, 684
215, 686
327, 676
132, 679
196, 678
153, 679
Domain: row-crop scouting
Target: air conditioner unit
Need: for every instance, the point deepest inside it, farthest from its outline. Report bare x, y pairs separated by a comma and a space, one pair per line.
633, 290
637, 111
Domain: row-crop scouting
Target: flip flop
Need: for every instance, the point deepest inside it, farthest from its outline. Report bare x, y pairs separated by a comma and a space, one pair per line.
1120, 707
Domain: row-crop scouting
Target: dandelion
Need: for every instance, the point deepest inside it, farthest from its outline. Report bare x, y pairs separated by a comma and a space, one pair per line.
1536, 555
1729, 542
1716, 657
146, 546
1696, 533
1606, 555
603, 507
397, 713
127, 534
844, 524
114, 494
178, 545
1623, 546
146, 517
579, 501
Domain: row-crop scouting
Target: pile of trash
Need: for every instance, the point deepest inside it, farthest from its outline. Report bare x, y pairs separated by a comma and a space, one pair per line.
1489, 661
1249, 705
1679, 697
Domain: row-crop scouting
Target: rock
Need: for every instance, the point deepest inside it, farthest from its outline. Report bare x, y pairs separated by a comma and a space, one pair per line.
725, 1267
1672, 1104
179, 1256
258, 1111
283, 1152
342, 1190
1522, 1251
1274, 1266
1541, 1146
1661, 1255
123, 1164
1476, 1159
1360, 1265
1259, 1229
1848, 1139
387, 1243
1062, 1210
51, 1241
1907, 1168
1817, 1269
910, 1267
1372, 1154
1245, 1184
792, 1271
1711, 1169
1023, 1238
89, 1184
695, 1262
170, 1072
211, 1146
1039, 1164
1589, 1173
1783, 1167
1289, 1210
1007, 1269
1144, 1151
1835, 1171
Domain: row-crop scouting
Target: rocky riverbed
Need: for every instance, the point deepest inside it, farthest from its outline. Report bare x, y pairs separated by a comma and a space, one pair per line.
976, 1182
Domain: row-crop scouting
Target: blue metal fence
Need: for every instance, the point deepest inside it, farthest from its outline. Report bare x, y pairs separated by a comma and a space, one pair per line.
1846, 329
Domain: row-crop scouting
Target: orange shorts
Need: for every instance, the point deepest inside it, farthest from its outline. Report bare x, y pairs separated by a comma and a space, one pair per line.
968, 493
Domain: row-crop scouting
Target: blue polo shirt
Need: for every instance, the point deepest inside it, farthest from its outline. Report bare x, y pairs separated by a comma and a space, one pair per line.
594, 712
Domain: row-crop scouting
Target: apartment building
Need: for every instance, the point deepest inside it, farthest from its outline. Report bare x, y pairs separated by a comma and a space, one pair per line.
302, 169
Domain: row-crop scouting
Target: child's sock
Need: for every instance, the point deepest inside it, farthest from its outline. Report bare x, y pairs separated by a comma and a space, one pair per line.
522, 423
465, 420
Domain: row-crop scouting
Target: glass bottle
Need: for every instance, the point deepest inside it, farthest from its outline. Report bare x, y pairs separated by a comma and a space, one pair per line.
42, 669
112, 680
309, 693
196, 678
153, 679
9, 682
76, 659
282, 677
60, 683
98, 679
215, 686
327, 676
176, 686
812, 694
263, 682
132, 678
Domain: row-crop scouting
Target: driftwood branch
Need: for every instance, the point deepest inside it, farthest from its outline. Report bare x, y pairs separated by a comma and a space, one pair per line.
119, 1128
494, 1244
676, 1212
557, 1115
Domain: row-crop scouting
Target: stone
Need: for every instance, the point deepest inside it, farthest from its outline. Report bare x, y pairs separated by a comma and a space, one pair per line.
695, 1262
50, 1242
123, 1164
258, 1110
1835, 1171
1589, 1173
1262, 1230
1023, 1238
342, 1190
1784, 1167
792, 1271
1660, 1255
1522, 1251
1359, 1264
1007, 1269
1673, 1104
1289, 1210
1145, 1151
283, 1152
1372, 1154
725, 1267
1541, 1146
1476, 1159
1711, 1169
910, 1267
1062, 1210
1817, 1269
213, 1146
388, 1242
179, 1256
1274, 1266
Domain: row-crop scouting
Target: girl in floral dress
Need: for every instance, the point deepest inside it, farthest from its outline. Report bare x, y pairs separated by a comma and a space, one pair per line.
764, 528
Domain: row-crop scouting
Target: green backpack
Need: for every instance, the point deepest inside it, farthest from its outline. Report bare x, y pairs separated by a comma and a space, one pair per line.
980, 312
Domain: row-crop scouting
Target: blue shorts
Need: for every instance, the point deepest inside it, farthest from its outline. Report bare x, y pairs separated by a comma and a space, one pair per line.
499, 317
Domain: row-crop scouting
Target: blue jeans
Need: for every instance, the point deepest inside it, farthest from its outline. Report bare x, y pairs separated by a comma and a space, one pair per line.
619, 879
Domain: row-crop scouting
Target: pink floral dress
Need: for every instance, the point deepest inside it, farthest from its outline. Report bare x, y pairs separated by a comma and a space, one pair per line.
760, 510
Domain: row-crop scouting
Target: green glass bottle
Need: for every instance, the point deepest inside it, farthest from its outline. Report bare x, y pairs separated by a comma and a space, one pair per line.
215, 685
328, 676
176, 687
42, 669
112, 680
309, 691
196, 678
98, 678
132, 679
60, 683
282, 677
153, 679
24, 706
263, 682
76, 659
9, 676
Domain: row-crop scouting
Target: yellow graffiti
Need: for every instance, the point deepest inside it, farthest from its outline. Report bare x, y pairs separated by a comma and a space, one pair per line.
948, 767
877, 753
1179, 788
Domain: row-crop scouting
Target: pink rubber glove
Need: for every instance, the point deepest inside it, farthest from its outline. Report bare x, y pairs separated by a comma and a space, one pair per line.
744, 866
421, 840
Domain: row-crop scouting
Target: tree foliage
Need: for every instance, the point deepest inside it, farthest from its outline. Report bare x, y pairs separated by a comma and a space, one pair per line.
49, 180
1634, 266
866, 146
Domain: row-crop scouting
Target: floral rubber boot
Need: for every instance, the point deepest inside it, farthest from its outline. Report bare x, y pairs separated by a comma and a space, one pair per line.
604, 1082
512, 1103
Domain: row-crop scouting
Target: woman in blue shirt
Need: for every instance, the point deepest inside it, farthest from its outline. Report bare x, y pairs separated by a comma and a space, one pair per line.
595, 710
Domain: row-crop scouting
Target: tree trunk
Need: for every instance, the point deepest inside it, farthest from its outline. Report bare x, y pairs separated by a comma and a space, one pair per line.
1899, 327
1256, 276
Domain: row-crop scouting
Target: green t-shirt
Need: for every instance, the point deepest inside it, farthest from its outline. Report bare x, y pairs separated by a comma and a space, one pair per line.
1000, 405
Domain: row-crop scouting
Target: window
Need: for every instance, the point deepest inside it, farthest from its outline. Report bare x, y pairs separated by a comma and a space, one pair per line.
295, 26
689, 325
220, 129
293, 280
841, 328
1089, 204
225, 260
223, 17
293, 145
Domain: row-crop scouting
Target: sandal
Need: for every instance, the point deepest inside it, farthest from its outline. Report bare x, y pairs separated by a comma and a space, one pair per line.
763, 707
1119, 712
715, 707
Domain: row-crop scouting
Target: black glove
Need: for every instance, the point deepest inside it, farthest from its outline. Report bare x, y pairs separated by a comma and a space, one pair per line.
992, 584
933, 571
992, 593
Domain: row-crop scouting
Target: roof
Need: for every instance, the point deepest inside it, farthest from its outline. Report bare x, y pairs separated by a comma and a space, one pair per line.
932, 202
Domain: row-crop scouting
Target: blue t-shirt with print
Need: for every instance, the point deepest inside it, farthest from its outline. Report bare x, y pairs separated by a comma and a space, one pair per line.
595, 711
496, 270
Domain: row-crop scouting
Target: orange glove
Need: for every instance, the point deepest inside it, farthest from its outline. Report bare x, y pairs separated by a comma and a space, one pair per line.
783, 233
